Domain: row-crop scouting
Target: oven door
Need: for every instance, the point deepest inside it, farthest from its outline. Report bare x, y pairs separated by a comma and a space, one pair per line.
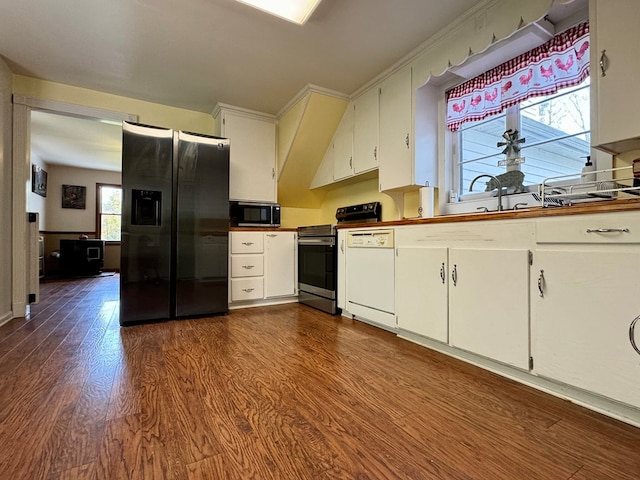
317, 263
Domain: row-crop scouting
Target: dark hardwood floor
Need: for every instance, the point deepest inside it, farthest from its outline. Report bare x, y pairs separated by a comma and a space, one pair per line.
282, 392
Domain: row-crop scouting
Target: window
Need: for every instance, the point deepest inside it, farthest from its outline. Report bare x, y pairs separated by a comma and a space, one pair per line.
542, 94
556, 128
109, 208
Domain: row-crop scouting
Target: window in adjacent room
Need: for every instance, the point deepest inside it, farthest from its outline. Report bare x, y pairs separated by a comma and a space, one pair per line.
543, 94
109, 208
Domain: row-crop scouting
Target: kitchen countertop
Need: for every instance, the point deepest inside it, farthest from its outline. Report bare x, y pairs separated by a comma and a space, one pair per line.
262, 229
533, 212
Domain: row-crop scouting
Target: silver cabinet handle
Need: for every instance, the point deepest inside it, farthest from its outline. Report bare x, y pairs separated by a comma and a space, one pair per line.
273, 173
442, 274
342, 246
247, 244
406, 140
603, 63
632, 334
607, 230
248, 290
248, 267
350, 162
541, 283
375, 153
271, 235
454, 275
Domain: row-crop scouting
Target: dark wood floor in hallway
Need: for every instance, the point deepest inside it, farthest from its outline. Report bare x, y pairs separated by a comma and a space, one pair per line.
282, 392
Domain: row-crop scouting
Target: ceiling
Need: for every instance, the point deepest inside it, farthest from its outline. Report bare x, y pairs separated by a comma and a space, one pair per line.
207, 51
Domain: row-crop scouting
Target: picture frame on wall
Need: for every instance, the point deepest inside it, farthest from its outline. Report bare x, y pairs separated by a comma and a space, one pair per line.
74, 196
38, 181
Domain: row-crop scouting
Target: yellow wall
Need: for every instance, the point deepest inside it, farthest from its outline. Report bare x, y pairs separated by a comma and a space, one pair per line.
148, 113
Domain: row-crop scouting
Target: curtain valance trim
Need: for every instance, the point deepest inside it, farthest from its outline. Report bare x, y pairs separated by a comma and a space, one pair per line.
561, 62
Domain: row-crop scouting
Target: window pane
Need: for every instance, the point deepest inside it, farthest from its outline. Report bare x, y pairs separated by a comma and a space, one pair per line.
110, 228
557, 131
111, 200
479, 152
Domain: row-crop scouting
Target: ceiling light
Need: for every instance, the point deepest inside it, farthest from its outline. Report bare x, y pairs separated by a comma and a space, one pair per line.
296, 11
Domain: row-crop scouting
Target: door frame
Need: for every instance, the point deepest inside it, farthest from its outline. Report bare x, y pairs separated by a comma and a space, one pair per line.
21, 164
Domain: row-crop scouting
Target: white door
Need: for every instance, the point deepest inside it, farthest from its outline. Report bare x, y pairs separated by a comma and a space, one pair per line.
395, 160
422, 290
580, 326
489, 303
365, 131
252, 174
280, 264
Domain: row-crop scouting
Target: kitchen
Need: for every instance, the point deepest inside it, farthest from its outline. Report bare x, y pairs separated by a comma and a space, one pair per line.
400, 201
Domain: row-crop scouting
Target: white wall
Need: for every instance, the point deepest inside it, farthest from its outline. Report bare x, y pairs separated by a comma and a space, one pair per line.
60, 219
6, 169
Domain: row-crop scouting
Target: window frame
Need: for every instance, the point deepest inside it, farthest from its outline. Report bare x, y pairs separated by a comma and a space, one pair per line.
99, 213
513, 118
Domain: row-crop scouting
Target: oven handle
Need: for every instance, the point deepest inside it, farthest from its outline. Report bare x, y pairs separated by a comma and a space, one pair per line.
330, 241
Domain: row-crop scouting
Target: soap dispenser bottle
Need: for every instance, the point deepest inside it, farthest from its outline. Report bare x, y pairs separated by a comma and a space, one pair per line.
589, 167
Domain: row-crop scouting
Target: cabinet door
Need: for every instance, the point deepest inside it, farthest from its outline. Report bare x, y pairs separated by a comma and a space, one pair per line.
580, 326
252, 174
421, 291
343, 147
614, 28
395, 160
489, 303
280, 264
365, 131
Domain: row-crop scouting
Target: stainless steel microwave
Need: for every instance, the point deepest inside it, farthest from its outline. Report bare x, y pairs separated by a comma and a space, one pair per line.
254, 214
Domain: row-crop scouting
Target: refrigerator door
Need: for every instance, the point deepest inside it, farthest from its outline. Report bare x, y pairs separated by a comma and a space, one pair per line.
202, 236
145, 261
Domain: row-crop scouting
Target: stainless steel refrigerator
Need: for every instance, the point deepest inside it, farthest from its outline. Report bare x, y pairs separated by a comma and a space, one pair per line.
175, 224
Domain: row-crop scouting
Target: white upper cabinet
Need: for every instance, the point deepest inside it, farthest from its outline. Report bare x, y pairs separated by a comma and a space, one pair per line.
615, 69
343, 147
395, 157
252, 174
365, 132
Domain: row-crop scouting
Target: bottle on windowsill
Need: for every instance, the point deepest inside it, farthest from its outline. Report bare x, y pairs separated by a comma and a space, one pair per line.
589, 167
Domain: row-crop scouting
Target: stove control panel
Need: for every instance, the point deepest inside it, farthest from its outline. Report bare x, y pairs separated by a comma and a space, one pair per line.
364, 212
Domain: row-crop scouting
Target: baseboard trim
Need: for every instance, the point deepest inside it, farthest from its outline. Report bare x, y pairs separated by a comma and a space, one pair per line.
5, 317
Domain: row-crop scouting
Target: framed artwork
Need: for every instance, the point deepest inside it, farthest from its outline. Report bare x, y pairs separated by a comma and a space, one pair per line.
74, 196
38, 181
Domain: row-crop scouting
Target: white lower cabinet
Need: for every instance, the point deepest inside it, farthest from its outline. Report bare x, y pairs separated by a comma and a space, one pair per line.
280, 264
422, 291
489, 303
263, 266
582, 309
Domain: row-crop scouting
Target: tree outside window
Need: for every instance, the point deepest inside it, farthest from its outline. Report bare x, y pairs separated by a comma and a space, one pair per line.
109, 212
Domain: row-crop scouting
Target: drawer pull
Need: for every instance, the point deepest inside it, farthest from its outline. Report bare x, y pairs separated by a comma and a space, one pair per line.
271, 235
248, 267
632, 335
607, 230
247, 244
248, 290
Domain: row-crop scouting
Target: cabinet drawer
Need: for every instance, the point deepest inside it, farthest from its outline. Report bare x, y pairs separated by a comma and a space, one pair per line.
247, 265
247, 242
247, 289
605, 228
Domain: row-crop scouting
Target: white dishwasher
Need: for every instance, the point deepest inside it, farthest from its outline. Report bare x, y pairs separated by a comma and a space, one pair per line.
370, 271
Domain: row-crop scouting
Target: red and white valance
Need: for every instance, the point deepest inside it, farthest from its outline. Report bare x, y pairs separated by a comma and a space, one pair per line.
561, 62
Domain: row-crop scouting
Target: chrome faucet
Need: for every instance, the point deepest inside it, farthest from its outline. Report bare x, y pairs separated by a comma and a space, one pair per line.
497, 183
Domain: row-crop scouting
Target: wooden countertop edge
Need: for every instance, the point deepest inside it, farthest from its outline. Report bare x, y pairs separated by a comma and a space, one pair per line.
263, 229
535, 212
